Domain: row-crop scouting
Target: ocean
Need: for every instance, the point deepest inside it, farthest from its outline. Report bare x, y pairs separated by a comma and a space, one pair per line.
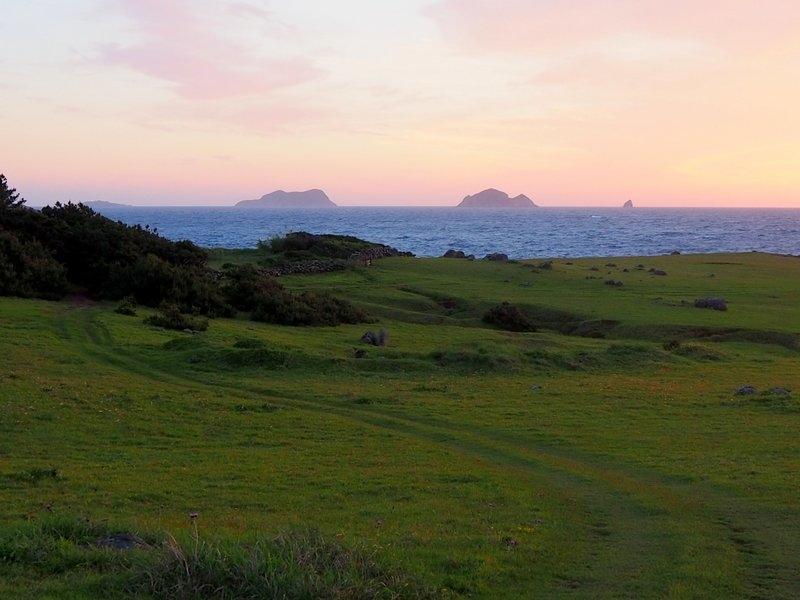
536, 233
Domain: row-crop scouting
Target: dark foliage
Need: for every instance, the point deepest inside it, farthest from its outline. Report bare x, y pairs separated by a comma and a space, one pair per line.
304, 246
9, 198
47, 252
27, 269
509, 317
127, 307
170, 317
247, 289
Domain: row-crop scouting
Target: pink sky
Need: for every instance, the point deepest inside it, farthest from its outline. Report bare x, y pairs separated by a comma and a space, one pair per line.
407, 102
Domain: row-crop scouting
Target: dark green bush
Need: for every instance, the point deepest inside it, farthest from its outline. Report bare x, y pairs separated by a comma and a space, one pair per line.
303, 245
27, 269
127, 307
247, 289
170, 317
45, 252
509, 317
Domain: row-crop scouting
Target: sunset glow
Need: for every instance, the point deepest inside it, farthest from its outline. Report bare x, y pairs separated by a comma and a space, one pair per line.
403, 102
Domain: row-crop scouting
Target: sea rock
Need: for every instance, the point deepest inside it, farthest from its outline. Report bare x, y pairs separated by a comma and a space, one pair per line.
454, 254
628, 204
281, 199
711, 303
493, 198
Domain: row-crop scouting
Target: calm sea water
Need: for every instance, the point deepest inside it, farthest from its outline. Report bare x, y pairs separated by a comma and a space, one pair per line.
542, 232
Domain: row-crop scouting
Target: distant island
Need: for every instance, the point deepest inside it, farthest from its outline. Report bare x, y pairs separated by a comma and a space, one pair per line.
628, 204
101, 204
493, 198
281, 199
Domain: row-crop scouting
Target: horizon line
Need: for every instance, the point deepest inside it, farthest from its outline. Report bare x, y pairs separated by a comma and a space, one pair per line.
538, 206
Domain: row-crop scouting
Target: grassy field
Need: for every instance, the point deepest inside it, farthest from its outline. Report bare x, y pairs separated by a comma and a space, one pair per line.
587, 459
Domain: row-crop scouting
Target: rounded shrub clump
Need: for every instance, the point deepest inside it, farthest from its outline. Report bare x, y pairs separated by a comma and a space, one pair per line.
509, 317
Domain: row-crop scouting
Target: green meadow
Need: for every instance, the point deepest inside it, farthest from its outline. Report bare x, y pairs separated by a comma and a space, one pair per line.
606, 454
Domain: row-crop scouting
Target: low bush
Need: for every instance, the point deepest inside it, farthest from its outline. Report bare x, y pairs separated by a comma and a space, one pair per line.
247, 289
170, 317
127, 307
509, 317
306, 246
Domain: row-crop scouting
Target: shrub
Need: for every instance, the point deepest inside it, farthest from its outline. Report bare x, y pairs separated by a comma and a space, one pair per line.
509, 317
127, 307
307, 308
27, 269
302, 246
169, 317
246, 288
43, 252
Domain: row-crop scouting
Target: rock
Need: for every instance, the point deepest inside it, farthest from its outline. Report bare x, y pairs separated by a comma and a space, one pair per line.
493, 198
711, 303
628, 204
376, 339
675, 253
497, 257
746, 390
658, 272
614, 283
121, 541
778, 391
535, 388
454, 254
359, 353
281, 199
510, 543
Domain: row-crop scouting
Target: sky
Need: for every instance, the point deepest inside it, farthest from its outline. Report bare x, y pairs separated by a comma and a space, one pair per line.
389, 102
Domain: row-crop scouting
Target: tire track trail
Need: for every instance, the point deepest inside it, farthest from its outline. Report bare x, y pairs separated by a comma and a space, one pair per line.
633, 515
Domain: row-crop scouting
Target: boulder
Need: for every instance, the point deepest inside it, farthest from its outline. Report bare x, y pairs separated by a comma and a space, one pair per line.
746, 390
497, 257
711, 303
779, 391
376, 339
454, 254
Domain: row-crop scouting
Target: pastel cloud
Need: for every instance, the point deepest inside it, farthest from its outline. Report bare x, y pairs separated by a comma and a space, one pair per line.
177, 46
536, 25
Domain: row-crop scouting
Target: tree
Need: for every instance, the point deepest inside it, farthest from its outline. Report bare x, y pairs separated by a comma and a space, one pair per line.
9, 198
